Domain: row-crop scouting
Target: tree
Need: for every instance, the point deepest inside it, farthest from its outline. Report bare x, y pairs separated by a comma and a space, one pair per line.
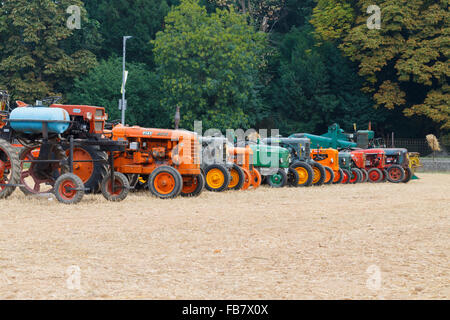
209, 64
141, 19
315, 86
36, 59
405, 62
102, 85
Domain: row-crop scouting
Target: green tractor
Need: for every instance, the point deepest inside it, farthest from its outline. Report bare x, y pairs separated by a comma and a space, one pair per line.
310, 172
273, 163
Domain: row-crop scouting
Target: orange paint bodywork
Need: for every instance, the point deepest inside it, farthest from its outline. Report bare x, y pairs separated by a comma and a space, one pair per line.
326, 157
95, 116
149, 148
243, 157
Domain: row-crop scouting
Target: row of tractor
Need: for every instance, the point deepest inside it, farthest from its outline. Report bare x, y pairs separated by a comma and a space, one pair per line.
70, 150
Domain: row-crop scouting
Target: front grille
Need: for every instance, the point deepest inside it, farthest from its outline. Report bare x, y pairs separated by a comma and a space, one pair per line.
98, 126
195, 149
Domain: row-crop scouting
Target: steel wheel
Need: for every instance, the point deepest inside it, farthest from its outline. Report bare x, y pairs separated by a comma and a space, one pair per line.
69, 189
277, 180
217, 178
375, 175
165, 182
193, 185
396, 174
237, 178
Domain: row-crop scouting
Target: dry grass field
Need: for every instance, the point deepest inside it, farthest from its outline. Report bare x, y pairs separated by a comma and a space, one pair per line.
314, 243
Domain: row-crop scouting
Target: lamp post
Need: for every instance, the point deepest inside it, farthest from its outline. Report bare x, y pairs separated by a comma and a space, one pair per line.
124, 78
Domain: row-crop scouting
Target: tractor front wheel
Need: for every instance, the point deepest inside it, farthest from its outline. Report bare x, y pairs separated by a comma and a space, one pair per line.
217, 178
69, 189
346, 176
396, 173
193, 185
247, 179
408, 174
385, 175
278, 180
319, 174
256, 178
329, 175
365, 175
338, 177
165, 182
121, 187
292, 177
355, 176
305, 173
375, 175
237, 178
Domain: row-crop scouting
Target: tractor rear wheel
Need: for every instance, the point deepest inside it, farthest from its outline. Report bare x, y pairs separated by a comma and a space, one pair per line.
34, 181
292, 177
329, 175
346, 176
338, 177
385, 175
375, 175
319, 174
165, 182
355, 176
91, 173
121, 187
305, 173
365, 174
193, 185
396, 173
217, 178
256, 178
247, 179
278, 180
69, 189
9, 168
237, 178
408, 174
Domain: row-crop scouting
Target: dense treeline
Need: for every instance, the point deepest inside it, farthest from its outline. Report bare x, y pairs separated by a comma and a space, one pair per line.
296, 65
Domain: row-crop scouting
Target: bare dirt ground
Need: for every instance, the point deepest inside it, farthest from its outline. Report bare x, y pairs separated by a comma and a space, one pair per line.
315, 243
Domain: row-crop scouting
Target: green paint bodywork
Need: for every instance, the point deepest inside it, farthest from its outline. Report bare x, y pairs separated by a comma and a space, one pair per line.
266, 156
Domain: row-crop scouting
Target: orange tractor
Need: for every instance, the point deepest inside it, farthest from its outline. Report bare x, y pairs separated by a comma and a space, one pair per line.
329, 159
169, 158
243, 157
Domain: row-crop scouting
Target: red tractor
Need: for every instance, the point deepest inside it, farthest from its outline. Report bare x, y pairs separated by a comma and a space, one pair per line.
375, 164
359, 161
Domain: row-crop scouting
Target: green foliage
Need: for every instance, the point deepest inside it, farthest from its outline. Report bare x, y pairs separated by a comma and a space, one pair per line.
101, 87
35, 60
141, 19
209, 65
315, 86
405, 63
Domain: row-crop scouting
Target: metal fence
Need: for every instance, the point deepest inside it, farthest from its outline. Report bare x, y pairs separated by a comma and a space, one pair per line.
418, 145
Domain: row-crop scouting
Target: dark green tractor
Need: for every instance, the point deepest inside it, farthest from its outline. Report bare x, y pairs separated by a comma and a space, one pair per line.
310, 172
